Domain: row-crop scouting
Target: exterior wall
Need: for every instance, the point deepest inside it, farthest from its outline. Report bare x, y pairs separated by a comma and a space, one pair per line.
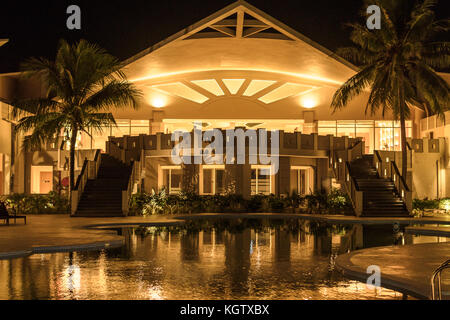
427, 171
430, 160
12, 86
438, 128
151, 172
296, 150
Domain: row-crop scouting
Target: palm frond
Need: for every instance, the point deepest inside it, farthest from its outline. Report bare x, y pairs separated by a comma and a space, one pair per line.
117, 94
34, 106
353, 87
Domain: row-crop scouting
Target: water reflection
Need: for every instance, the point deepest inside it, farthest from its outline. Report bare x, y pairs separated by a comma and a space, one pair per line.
214, 259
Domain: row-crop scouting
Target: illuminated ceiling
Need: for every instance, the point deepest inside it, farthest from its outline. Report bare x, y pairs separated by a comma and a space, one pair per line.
204, 90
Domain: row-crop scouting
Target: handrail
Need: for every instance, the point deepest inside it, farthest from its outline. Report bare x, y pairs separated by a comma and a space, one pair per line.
82, 174
400, 185
356, 196
397, 172
88, 171
437, 274
136, 169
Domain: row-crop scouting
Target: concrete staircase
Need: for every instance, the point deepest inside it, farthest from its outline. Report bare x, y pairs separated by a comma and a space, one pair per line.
380, 196
102, 197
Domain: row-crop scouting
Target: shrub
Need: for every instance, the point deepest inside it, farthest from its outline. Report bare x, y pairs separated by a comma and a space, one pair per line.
337, 200
137, 202
317, 202
274, 203
189, 202
255, 204
155, 204
294, 201
38, 203
426, 203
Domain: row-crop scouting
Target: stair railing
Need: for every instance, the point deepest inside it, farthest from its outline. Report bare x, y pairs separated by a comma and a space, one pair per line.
356, 151
437, 275
356, 196
401, 186
379, 164
115, 151
136, 169
338, 159
341, 171
88, 171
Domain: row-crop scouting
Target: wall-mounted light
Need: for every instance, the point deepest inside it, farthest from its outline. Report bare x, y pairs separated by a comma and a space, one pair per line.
308, 103
158, 102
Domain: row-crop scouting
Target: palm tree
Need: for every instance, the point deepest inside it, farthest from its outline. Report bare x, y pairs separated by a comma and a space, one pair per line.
398, 63
83, 84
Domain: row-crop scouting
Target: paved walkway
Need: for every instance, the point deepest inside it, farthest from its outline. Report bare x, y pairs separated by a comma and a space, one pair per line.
49, 233
407, 269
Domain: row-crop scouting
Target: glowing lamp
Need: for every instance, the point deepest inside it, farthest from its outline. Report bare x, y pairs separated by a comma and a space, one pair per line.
308, 103
158, 103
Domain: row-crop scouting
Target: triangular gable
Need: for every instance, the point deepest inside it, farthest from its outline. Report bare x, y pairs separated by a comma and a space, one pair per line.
239, 23
240, 20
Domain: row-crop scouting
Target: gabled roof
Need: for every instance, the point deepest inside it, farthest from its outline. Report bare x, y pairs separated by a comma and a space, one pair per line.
239, 20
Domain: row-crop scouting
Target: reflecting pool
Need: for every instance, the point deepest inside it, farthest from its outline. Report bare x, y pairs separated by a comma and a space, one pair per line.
207, 259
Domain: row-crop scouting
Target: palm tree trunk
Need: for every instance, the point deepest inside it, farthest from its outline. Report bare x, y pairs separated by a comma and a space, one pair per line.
73, 140
403, 143
402, 109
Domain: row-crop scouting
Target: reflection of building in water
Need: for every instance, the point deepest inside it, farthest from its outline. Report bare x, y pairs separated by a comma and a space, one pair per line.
351, 240
270, 262
237, 260
282, 245
189, 246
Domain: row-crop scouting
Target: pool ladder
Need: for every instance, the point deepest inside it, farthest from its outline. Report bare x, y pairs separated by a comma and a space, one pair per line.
437, 275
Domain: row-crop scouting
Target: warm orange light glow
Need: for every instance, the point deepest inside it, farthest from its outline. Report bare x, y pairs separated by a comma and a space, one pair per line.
308, 103
158, 102
292, 74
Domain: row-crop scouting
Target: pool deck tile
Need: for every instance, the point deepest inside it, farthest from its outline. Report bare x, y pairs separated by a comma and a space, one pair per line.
407, 269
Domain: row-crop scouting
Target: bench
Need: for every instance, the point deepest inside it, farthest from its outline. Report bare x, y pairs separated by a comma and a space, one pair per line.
4, 215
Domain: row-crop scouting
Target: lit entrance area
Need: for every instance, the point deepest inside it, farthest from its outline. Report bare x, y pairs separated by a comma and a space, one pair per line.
377, 135
293, 125
41, 179
302, 180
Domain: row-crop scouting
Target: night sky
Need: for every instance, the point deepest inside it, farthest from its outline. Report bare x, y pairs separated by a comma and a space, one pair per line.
125, 28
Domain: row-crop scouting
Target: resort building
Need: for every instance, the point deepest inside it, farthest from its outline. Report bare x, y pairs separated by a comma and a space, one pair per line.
239, 68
